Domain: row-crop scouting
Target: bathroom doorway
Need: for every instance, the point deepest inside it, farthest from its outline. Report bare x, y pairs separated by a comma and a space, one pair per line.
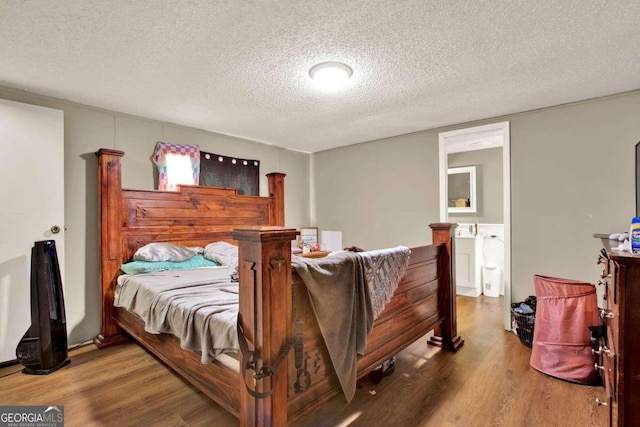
485, 137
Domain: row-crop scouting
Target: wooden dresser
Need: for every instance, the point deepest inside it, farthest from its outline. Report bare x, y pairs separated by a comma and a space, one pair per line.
619, 351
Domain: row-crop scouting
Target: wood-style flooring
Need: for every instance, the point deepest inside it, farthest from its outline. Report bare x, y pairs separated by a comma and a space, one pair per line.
488, 382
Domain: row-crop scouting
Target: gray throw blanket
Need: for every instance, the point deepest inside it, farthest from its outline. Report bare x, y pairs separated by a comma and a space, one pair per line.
348, 291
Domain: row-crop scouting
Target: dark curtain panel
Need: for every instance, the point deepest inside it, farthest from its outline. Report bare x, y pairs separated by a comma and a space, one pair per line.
230, 172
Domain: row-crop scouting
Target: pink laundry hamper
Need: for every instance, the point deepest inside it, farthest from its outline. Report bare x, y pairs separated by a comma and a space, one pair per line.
561, 338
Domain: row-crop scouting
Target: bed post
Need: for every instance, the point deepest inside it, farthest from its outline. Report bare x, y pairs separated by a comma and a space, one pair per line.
446, 334
276, 190
264, 265
110, 194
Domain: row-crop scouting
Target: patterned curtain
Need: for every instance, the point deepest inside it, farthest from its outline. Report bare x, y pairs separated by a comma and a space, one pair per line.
177, 164
230, 172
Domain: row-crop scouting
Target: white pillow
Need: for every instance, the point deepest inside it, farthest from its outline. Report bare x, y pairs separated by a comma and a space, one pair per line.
223, 253
164, 252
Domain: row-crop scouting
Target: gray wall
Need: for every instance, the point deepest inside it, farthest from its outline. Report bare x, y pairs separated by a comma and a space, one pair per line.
381, 193
572, 175
86, 130
489, 185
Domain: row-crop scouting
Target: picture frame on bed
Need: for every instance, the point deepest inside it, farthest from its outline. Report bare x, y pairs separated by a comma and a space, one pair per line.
309, 235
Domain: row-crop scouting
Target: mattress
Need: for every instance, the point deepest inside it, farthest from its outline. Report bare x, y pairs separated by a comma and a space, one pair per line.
200, 307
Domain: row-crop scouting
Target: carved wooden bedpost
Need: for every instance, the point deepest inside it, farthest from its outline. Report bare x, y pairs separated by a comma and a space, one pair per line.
276, 190
264, 265
109, 194
446, 335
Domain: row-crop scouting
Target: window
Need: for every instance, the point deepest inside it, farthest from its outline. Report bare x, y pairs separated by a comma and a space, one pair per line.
179, 170
180, 164
177, 164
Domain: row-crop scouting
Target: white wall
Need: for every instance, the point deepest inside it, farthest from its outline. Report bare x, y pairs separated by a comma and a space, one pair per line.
572, 175
88, 129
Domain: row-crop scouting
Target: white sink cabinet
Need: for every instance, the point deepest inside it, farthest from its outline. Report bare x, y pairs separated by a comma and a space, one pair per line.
469, 266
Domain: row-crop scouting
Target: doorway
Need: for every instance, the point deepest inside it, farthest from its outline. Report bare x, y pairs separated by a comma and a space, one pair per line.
478, 138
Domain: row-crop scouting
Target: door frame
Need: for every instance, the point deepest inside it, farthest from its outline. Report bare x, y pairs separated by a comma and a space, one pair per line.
500, 130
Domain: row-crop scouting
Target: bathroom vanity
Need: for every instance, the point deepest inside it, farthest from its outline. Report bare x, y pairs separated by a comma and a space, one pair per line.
469, 265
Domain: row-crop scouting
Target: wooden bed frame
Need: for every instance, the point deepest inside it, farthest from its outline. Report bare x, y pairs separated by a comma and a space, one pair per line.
271, 296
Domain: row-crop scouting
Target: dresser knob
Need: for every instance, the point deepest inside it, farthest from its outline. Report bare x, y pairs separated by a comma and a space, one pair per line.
602, 350
607, 314
600, 402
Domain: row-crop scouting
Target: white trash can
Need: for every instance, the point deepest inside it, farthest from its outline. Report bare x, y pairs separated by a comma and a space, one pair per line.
491, 279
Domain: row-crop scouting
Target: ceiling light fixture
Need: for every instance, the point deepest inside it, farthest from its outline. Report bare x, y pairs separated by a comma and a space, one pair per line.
330, 74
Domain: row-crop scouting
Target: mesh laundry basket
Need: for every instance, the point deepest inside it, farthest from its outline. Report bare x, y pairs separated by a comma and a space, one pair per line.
524, 327
561, 339
524, 314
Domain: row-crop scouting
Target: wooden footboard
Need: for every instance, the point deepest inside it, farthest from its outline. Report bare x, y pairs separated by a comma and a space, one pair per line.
413, 311
272, 298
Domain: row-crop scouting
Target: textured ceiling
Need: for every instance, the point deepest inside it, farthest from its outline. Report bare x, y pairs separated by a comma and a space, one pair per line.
240, 67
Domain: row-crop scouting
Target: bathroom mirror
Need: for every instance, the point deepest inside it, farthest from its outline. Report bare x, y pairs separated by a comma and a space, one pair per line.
461, 188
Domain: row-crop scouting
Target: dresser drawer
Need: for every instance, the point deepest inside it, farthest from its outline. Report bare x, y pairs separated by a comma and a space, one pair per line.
607, 277
611, 312
608, 360
608, 404
612, 284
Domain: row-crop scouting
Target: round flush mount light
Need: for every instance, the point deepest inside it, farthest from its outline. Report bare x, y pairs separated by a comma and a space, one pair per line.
330, 74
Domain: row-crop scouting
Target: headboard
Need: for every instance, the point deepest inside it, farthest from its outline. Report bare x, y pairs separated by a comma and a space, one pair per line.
191, 216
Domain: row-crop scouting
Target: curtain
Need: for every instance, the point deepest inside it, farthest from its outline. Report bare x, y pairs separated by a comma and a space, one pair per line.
230, 172
177, 164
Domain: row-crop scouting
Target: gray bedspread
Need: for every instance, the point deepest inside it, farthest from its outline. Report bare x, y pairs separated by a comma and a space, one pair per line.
348, 291
200, 307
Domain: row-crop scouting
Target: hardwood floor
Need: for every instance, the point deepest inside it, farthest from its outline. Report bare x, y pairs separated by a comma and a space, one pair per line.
487, 383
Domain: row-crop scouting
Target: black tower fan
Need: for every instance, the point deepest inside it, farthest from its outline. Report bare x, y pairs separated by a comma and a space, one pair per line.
43, 348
